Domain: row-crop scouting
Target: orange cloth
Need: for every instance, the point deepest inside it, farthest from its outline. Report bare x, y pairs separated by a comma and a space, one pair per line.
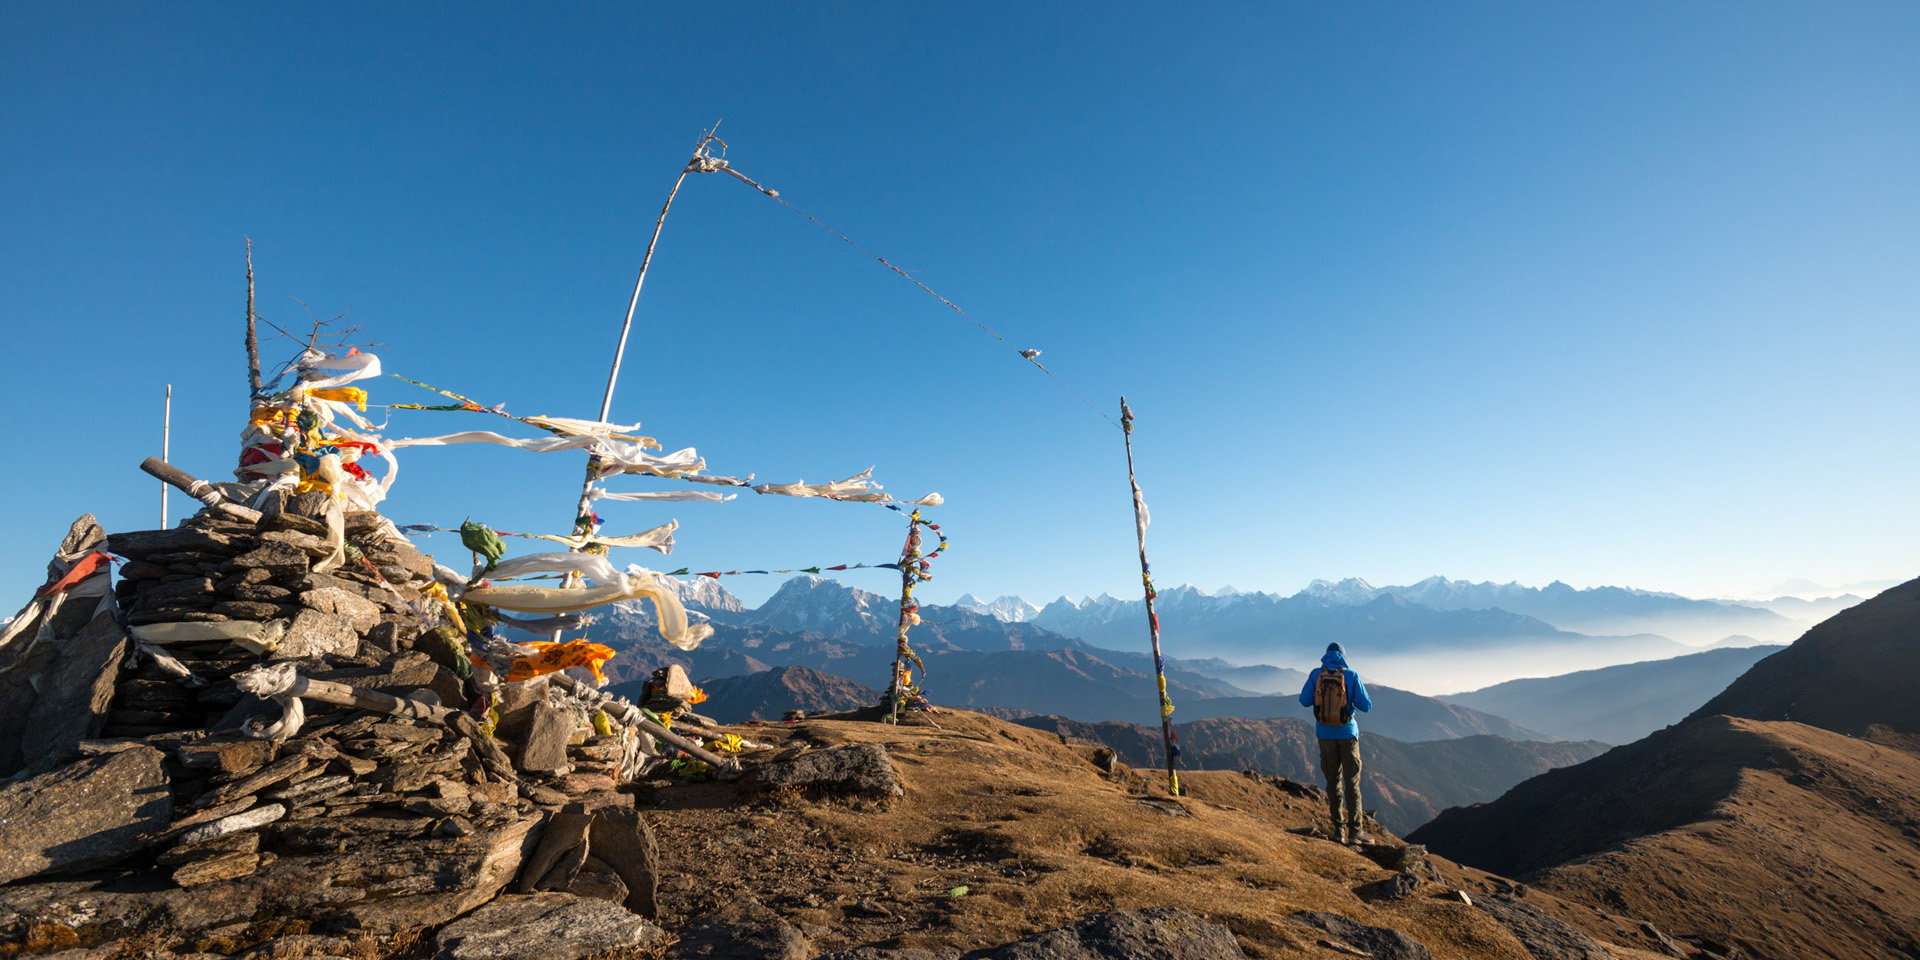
553, 657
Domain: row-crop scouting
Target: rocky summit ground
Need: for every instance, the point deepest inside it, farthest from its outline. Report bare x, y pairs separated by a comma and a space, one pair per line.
999, 831
161, 803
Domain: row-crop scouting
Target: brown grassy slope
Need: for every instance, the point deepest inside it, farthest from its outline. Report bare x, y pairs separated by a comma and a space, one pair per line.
1039, 836
1854, 670
1407, 783
1780, 838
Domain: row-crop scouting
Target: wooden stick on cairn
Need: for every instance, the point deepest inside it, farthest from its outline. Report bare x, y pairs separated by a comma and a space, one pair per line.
253, 340
198, 489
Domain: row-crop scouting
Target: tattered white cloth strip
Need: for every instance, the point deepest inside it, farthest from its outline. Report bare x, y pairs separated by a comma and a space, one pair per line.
330, 409
859, 488
702, 496
276, 683
610, 585
536, 444
615, 456
582, 428
251, 634
618, 457
166, 663
1140, 515
325, 372
659, 538
592, 566
19, 623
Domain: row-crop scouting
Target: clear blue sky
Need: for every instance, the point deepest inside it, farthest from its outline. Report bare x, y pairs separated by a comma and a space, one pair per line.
1610, 293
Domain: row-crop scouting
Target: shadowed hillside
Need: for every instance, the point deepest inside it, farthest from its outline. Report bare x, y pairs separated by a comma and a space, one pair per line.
1617, 704
1855, 670
769, 694
1783, 838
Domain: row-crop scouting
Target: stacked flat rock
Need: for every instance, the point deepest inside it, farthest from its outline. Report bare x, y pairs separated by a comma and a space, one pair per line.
167, 815
215, 570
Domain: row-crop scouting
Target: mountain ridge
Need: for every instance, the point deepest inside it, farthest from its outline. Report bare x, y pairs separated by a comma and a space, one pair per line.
1788, 796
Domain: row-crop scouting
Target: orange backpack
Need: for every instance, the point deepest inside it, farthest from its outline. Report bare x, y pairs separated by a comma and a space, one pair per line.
1330, 698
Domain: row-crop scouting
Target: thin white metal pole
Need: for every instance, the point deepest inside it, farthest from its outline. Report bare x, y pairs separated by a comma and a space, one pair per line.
166, 439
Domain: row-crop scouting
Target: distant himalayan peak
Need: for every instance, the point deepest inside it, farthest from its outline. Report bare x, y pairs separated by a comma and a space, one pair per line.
1009, 609
817, 603
704, 593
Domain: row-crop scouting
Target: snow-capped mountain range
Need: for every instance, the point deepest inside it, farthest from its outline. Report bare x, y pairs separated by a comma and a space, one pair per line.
1437, 634
1010, 609
1557, 606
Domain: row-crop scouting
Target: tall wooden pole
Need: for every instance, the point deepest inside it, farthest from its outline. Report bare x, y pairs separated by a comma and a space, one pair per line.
901, 688
1153, 619
253, 339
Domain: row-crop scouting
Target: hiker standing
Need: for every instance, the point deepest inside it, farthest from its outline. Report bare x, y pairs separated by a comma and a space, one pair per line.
1334, 692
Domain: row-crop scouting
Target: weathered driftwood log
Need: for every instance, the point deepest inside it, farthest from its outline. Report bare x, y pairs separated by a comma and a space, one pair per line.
198, 489
283, 684
726, 768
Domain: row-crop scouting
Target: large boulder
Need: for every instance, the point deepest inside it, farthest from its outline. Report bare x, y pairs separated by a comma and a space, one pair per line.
623, 841
862, 771
744, 930
57, 663
1544, 936
75, 691
1156, 933
85, 814
544, 926
1381, 943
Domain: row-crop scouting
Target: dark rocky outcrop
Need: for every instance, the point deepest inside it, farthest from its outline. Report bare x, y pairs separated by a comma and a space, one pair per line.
744, 930
1157, 933
1359, 939
544, 926
85, 814
860, 772
1544, 936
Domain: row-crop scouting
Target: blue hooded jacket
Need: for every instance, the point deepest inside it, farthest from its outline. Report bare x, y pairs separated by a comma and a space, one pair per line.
1356, 696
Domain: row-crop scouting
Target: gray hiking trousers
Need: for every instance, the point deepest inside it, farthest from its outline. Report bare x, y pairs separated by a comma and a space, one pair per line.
1340, 763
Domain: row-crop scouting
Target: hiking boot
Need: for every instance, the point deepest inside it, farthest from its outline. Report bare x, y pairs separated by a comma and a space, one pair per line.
1356, 836
1339, 834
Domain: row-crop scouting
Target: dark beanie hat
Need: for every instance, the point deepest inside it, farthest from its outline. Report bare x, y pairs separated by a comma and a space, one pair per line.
1334, 648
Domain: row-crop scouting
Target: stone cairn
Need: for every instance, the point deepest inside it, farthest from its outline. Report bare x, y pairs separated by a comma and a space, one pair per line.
144, 758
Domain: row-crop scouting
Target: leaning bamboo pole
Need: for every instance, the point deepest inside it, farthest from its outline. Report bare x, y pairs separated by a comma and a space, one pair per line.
585, 524
1140, 520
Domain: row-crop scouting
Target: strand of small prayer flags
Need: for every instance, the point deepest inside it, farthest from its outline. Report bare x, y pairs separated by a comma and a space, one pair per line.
716, 574
706, 164
471, 405
428, 528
